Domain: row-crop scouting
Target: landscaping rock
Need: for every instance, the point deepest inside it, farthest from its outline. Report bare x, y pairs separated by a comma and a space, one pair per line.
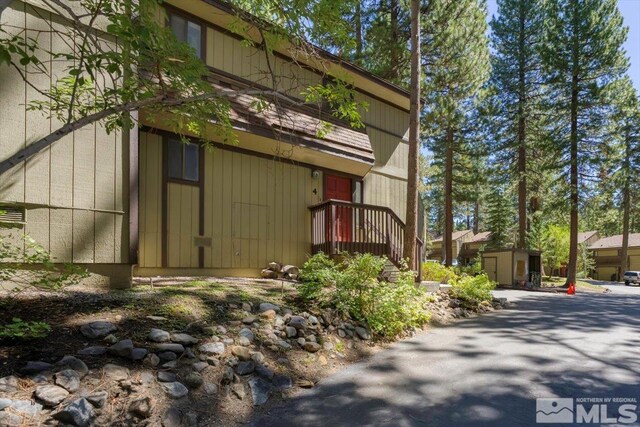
193, 380
10, 420
257, 357
167, 377
173, 347
210, 388
98, 399
200, 366
35, 367
110, 339
172, 418
175, 389
241, 353
244, 341
311, 346
227, 375
260, 390
97, 350
115, 372
158, 335
313, 320
247, 333
291, 331
298, 322
282, 382
9, 384
138, 353
268, 314
215, 348
363, 333
268, 274
249, 320
282, 344
184, 339
4, 403
238, 390
74, 363
68, 379
51, 395
170, 365
142, 407
264, 371
26, 408
268, 306
454, 303
122, 349
97, 329
79, 413
167, 356
245, 368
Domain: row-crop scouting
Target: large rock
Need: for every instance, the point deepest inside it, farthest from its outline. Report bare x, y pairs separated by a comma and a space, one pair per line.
291, 331
245, 368
79, 413
142, 407
241, 353
158, 335
96, 350
97, 329
215, 348
184, 339
298, 322
173, 347
260, 390
167, 377
247, 333
4, 403
25, 408
268, 274
264, 306
311, 346
172, 418
51, 395
138, 353
122, 349
363, 333
115, 372
35, 367
10, 420
8, 384
74, 363
193, 380
68, 379
175, 389
98, 399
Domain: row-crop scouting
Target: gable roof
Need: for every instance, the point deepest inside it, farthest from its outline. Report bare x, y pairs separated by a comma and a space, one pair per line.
613, 242
455, 235
582, 237
483, 236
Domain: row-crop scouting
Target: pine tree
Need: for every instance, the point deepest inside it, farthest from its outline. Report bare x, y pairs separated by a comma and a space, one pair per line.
499, 219
456, 59
582, 52
517, 79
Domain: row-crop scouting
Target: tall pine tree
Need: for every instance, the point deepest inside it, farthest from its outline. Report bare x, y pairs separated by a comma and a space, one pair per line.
582, 52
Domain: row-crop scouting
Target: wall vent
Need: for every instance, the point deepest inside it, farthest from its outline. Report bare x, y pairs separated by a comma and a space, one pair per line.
12, 214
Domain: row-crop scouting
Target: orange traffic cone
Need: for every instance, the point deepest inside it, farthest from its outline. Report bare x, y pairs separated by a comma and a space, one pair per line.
572, 289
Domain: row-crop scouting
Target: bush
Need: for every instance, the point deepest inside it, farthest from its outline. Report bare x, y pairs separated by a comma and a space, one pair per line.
472, 290
24, 330
354, 289
436, 272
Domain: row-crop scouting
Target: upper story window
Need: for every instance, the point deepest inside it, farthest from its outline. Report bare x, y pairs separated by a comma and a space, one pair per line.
184, 161
187, 31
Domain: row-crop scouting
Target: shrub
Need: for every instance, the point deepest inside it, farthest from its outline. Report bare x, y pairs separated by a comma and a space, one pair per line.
24, 330
472, 290
436, 272
354, 289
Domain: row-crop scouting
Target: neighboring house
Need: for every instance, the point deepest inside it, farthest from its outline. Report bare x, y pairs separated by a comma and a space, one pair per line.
588, 238
142, 199
607, 252
511, 266
457, 237
470, 248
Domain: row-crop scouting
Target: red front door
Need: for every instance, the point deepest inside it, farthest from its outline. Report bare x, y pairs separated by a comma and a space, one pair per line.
339, 188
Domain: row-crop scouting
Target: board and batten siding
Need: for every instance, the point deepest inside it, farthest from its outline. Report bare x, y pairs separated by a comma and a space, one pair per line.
255, 211
73, 191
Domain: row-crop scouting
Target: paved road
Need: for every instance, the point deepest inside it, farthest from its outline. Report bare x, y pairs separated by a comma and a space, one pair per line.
487, 370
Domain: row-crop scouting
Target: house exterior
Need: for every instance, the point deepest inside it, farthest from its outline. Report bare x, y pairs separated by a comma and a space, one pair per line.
140, 202
511, 266
607, 252
458, 239
470, 248
588, 238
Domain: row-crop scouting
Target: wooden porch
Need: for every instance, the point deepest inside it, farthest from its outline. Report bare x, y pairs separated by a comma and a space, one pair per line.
339, 226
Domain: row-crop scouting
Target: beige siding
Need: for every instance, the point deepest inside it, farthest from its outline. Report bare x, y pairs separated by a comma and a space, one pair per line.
504, 266
73, 191
150, 199
182, 225
386, 191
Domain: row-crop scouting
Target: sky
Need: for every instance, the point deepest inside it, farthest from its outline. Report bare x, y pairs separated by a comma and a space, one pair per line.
630, 10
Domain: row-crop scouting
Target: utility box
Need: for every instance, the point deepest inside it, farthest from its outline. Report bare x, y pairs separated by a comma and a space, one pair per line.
509, 266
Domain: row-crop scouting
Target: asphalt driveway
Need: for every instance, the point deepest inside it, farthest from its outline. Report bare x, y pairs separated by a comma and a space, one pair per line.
487, 370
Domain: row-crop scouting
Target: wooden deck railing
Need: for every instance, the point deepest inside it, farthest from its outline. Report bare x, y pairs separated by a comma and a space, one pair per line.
338, 226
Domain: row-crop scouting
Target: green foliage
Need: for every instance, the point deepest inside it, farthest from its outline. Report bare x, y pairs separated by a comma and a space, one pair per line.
24, 263
472, 290
555, 246
499, 219
354, 289
586, 263
24, 330
436, 272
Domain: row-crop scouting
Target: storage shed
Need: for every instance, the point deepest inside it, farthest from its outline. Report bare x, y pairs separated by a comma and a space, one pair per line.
509, 266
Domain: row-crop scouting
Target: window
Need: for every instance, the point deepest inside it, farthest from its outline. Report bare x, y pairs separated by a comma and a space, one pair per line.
10, 214
187, 31
184, 161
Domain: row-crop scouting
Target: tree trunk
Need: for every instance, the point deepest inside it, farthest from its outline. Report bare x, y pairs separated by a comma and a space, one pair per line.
411, 231
626, 206
522, 146
357, 17
395, 35
448, 200
476, 212
573, 185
